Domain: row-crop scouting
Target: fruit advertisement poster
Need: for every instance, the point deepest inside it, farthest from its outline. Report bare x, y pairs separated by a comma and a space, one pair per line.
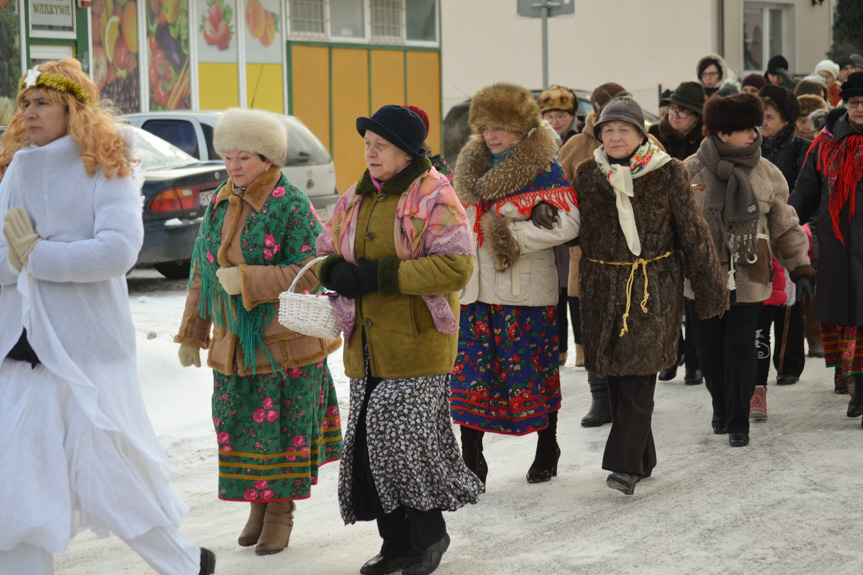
217, 31
10, 64
263, 35
168, 44
115, 52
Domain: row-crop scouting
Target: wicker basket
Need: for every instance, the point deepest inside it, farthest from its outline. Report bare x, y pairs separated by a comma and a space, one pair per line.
308, 314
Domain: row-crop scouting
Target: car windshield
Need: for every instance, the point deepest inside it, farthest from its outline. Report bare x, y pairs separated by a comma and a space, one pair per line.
157, 154
303, 147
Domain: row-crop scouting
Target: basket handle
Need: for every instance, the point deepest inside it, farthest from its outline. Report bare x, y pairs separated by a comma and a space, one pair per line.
303, 270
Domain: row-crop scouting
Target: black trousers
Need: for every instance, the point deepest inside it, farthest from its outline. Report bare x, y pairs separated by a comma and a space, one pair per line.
630, 447
406, 528
563, 322
729, 363
689, 350
795, 356
762, 341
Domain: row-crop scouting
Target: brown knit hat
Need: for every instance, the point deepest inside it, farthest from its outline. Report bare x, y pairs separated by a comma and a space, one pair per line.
506, 106
783, 99
810, 103
557, 98
603, 94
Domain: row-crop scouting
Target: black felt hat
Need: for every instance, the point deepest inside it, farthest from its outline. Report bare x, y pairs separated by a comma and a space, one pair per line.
852, 86
398, 125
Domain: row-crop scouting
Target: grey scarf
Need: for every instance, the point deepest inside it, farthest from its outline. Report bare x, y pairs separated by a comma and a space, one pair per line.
730, 206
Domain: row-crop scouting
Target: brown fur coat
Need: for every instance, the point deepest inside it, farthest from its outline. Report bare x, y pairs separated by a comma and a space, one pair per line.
668, 220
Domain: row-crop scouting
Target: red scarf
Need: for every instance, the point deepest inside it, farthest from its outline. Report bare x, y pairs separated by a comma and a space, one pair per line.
842, 163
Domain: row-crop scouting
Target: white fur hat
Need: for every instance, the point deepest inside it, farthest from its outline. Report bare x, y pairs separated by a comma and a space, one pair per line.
828, 66
252, 131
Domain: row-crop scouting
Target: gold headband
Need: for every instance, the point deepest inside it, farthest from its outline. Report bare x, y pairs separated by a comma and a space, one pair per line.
36, 77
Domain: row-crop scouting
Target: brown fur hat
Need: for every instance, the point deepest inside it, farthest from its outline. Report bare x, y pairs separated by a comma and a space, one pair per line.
733, 113
504, 106
557, 98
782, 99
810, 103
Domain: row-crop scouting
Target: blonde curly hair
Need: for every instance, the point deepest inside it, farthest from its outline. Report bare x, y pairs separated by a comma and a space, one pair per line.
91, 125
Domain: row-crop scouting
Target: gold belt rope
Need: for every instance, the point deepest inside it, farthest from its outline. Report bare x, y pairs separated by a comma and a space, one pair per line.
639, 262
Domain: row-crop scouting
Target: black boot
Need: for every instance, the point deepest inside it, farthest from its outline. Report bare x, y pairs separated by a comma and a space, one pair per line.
471, 452
600, 412
544, 465
855, 406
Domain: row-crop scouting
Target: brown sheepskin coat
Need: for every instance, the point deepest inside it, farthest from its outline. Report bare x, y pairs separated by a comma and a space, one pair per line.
668, 220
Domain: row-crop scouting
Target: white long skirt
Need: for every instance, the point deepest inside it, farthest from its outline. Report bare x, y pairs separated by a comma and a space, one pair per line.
60, 474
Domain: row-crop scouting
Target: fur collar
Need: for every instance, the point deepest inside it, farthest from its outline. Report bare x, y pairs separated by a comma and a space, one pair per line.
476, 179
837, 124
398, 183
667, 134
257, 192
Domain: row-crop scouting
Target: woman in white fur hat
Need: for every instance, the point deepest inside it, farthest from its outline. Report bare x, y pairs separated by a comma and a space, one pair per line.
274, 404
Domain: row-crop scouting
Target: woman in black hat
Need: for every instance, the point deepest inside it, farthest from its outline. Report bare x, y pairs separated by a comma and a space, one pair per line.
743, 198
827, 186
400, 248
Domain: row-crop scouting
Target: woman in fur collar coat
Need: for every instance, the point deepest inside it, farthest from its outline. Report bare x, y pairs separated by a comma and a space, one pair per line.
744, 199
273, 393
506, 376
641, 233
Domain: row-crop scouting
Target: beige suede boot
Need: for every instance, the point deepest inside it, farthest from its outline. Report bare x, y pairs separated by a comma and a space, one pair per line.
278, 522
252, 530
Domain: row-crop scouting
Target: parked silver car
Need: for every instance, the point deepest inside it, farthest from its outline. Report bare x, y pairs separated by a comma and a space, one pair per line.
309, 165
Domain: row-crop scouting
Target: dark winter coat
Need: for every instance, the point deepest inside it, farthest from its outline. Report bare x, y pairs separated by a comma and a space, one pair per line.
840, 267
668, 220
679, 146
786, 151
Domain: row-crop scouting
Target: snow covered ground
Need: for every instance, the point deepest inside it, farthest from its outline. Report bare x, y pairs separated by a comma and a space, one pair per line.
790, 503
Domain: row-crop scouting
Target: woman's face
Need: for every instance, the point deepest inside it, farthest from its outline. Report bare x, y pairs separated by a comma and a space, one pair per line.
710, 76
804, 127
681, 119
383, 158
751, 90
828, 78
243, 167
773, 122
559, 120
498, 140
620, 139
45, 122
738, 139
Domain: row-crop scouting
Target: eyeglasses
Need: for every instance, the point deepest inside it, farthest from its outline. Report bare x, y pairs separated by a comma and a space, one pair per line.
679, 112
556, 116
853, 104
709, 74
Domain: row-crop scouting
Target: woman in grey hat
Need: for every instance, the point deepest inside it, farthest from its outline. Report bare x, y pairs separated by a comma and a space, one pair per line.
399, 249
639, 221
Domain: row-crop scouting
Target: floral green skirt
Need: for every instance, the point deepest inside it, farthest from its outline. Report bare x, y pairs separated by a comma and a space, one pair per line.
274, 431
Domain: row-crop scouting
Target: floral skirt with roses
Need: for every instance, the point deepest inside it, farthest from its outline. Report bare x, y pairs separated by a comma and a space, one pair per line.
274, 431
506, 377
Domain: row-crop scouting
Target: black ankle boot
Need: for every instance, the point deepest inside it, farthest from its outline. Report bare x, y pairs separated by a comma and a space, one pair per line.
600, 412
855, 405
471, 451
544, 465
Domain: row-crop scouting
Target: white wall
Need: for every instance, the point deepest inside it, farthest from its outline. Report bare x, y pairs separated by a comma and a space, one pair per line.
636, 44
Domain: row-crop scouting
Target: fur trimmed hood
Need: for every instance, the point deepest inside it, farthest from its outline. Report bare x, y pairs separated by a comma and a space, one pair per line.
723, 67
252, 131
476, 179
506, 106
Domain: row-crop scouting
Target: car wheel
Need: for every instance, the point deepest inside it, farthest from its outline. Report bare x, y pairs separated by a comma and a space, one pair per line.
176, 270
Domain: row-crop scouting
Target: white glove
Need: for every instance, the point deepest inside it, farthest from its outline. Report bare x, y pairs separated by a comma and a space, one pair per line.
189, 355
231, 280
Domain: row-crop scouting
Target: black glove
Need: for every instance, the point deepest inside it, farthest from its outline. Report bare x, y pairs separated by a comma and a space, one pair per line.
342, 278
543, 215
367, 279
805, 293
